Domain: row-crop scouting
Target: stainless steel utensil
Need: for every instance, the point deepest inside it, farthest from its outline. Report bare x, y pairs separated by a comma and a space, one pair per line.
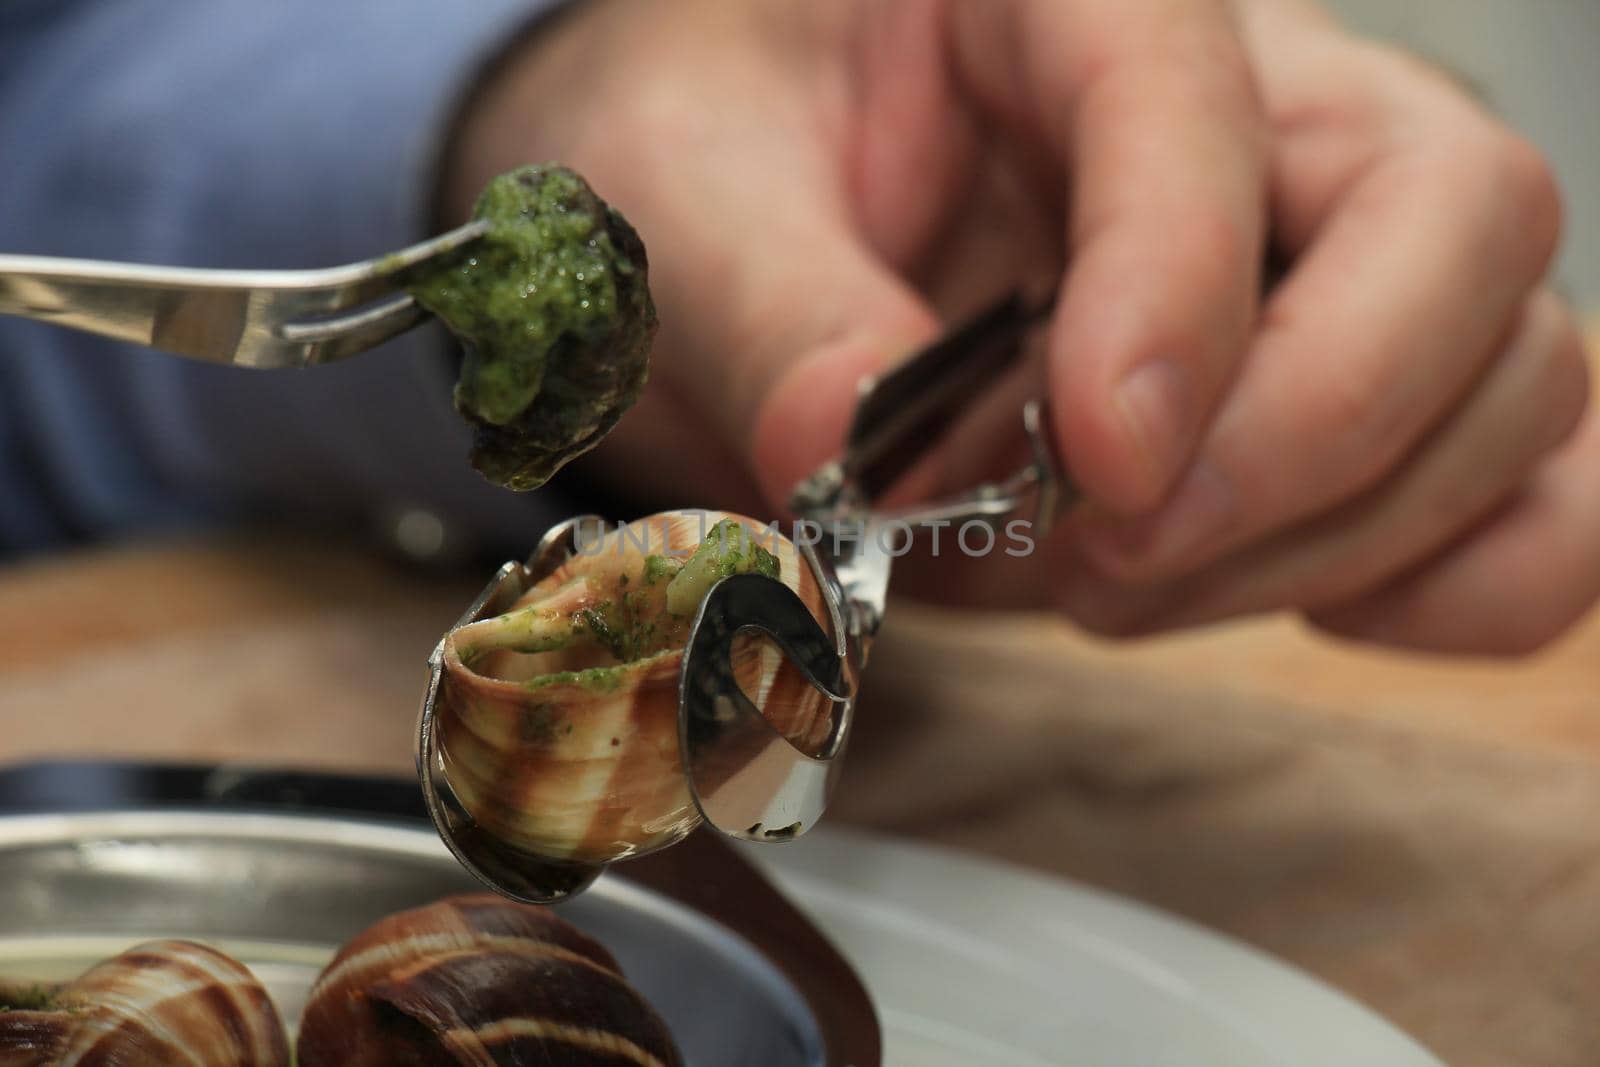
900, 417
248, 318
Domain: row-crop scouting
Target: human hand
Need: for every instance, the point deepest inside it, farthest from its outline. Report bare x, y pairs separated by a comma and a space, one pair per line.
1395, 442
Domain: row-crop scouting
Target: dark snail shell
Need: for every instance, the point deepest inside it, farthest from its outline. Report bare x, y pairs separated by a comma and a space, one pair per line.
161, 1004
574, 770
478, 980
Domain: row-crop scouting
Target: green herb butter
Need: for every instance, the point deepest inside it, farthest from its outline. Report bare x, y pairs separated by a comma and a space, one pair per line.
727, 550
27, 997
599, 679
635, 625
553, 307
660, 568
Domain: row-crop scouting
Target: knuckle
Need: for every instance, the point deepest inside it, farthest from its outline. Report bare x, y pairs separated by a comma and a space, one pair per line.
1221, 241
1552, 363
1565, 382
1470, 154
1523, 183
1508, 182
1359, 432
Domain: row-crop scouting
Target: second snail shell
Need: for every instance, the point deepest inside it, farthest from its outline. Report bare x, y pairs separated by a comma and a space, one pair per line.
477, 980
155, 1005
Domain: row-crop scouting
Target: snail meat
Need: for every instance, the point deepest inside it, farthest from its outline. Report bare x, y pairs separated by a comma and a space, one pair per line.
557, 721
553, 307
478, 980
160, 1004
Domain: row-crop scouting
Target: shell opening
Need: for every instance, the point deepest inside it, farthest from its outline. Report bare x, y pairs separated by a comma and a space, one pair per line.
627, 609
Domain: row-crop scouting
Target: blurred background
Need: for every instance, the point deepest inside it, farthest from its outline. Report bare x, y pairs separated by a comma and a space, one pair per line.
1420, 832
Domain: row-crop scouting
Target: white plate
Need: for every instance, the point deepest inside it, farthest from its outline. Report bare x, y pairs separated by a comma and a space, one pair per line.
975, 964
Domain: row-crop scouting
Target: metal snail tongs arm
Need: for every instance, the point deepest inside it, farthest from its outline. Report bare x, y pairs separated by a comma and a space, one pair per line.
510, 871
748, 780
900, 417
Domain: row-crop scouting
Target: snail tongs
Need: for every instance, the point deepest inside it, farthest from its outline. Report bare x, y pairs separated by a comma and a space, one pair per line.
628, 683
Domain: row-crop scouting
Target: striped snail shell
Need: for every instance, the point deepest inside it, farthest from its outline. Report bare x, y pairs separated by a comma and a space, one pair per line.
557, 722
160, 1004
478, 980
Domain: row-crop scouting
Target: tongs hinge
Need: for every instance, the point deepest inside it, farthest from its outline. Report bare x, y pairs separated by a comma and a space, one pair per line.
900, 417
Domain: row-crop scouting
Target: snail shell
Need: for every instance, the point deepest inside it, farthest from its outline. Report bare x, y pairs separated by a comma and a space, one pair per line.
478, 980
584, 766
160, 1004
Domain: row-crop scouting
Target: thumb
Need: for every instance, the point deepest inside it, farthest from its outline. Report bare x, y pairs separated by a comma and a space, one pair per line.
773, 344
848, 321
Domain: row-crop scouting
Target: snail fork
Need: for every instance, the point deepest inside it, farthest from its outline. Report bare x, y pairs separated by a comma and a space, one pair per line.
246, 318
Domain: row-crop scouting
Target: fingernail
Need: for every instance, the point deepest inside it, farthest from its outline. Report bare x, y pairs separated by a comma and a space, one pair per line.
1154, 402
1198, 515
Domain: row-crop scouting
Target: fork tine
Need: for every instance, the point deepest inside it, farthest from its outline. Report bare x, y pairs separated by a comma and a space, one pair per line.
324, 338
345, 335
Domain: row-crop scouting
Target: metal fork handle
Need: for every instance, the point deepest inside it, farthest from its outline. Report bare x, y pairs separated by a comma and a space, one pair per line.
262, 318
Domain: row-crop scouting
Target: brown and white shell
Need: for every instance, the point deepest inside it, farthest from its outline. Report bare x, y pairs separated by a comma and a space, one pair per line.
590, 771
160, 1004
478, 980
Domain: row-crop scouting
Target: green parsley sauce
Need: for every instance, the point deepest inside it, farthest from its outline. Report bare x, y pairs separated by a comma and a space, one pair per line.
27, 998
728, 549
634, 628
553, 309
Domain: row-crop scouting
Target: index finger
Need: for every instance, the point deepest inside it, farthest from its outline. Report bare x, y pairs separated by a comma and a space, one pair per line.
1151, 110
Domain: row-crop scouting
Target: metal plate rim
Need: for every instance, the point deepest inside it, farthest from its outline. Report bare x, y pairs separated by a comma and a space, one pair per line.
808, 968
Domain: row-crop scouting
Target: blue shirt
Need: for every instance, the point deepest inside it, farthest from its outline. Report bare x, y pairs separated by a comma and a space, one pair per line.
232, 133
